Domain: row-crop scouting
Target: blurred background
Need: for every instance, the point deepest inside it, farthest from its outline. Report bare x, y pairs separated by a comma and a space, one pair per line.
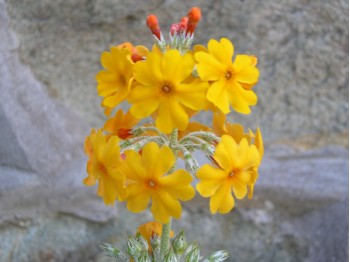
49, 55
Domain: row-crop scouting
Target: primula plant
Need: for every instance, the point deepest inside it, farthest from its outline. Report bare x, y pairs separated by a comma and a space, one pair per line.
134, 161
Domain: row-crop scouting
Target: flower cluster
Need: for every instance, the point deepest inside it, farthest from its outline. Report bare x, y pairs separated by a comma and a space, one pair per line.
133, 157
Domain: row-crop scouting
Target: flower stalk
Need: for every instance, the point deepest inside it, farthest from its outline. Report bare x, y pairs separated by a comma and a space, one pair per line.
136, 163
165, 238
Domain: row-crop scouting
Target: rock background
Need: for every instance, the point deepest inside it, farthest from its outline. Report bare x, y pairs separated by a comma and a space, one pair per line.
302, 48
49, 55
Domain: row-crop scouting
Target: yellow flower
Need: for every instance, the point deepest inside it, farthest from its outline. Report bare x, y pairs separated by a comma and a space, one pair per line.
102, 166
114, 83
236, 131
137, 53
237, 168
147, 180
121, 124
89, 151
162, 88
231, 82
148, 229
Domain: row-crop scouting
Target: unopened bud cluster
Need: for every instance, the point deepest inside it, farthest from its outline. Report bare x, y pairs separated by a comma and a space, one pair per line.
181, 34
137, 250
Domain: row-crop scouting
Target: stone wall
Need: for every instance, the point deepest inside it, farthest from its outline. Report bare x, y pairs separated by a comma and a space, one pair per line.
302, 48
49, 55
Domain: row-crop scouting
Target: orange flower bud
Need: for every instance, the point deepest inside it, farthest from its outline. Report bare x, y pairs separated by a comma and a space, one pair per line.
136, 57
180, 27
183, 24
152, 23
194, 15
124, 133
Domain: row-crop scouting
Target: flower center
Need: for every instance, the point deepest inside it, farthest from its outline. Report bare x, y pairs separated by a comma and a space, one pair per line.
166, 89
232, 173
228, 75
151, 183
122, 80
103, 168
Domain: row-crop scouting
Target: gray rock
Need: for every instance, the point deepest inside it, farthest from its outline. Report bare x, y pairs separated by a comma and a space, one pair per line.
37, 134
41, 152
300, 208
302, 48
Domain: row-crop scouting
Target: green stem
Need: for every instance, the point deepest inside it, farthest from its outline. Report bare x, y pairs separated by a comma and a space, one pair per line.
173, 138
165, 238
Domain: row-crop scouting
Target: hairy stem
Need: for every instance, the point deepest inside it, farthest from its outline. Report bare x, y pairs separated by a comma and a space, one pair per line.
165, 238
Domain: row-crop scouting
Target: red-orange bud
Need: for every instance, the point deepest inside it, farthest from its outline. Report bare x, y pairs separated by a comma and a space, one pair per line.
124, 133
136, 57
152, 23
194, 15
183, 24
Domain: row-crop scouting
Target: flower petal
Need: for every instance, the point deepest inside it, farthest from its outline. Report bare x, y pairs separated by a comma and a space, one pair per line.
149, 72
111, 154
241, 62
226, 154
119, 182
218, 95
222, 200
237, 132
222, 51
108, 61
207, 188
241, 98
208, 68
131, 167
176, 66
107, 189
208, 172
157, 160
178, 185
144, 101
164, 206
239, 188
138, 199
210, 179
218, 123
90, 180
193, 95
259, 143
171, 115
248, 75
251, 191
98, 145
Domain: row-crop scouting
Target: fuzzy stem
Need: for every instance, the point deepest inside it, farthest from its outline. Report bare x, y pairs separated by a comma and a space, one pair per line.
173, 138
206, 135
165, 238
